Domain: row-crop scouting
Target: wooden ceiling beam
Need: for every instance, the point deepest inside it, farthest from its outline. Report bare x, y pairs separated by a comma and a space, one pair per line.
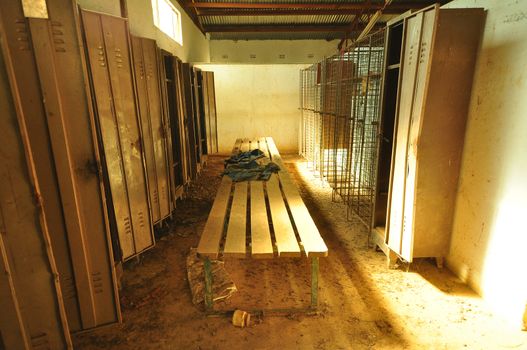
400, 6
274, 28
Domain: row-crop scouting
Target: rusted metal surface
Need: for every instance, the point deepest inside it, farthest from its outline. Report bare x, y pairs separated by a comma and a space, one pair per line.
48, 68
196, 115
146, 126
32, 311
189, 118
153, 133
108, 52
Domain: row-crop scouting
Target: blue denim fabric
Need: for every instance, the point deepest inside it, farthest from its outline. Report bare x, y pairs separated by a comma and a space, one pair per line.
243, 167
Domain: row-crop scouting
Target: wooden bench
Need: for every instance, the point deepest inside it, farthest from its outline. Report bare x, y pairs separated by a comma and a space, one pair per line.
287, 231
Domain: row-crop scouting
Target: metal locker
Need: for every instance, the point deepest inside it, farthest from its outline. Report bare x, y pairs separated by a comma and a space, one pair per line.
203, 111
152, 121
60, 146
429, 134
110, 73
212, 113
182, 118
165, 84
32, 311
189, 112
196, 90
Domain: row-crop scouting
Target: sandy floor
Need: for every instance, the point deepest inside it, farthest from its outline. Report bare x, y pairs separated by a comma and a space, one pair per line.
363, 305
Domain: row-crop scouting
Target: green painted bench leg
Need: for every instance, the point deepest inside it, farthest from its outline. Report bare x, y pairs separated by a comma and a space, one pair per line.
314, 283
208, 285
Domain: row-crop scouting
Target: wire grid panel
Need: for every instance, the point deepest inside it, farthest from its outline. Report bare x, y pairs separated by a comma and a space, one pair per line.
340, 117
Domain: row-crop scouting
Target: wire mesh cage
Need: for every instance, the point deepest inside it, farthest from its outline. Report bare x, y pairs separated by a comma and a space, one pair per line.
340, 102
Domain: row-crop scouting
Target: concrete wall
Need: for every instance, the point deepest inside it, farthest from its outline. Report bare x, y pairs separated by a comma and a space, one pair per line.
488, 248
269, 51
195, 45
257, 100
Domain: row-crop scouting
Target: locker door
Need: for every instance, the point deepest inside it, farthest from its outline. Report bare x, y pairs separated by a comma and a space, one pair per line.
65, 160
32, 311
191, 127
146, 126
109, 62
423, 55
212, 112
396, 224
116, 39
156, 120
196, 116
167, 127
184, 120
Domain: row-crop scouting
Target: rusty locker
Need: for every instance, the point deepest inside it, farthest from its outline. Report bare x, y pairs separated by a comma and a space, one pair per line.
110, 73
203, 111
189, 119
47, 68
164, 84
32, 311
152, 125
183, 118
174, 114
212, 113
196, 91
209, 105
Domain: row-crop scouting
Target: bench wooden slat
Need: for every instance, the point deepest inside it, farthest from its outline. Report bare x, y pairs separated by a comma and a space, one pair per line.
237, 146
286, 242
245, 145
310, 237
212, 233
263, 146
235, 241
261, 244
307, 230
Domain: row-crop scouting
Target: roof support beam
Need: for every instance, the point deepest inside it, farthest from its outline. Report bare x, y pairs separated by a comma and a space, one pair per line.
287, 12
276, 28
401, 6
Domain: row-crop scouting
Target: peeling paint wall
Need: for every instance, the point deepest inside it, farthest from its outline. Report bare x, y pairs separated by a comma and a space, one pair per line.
195, 46
271, 51
257, 100
490, 235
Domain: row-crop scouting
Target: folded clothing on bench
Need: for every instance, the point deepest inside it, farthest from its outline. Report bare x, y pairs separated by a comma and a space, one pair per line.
244, 167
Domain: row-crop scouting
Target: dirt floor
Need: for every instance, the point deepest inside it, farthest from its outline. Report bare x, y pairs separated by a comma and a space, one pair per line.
363, 305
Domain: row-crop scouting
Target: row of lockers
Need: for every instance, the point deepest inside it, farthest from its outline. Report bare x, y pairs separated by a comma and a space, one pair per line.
101, 133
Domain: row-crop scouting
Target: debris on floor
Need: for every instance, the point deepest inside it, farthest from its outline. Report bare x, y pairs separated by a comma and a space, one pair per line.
222, 288
241, 318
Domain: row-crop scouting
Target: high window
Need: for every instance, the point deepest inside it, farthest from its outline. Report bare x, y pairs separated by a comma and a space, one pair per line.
168, 19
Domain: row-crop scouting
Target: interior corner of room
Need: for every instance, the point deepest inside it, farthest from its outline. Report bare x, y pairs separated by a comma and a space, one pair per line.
397, 129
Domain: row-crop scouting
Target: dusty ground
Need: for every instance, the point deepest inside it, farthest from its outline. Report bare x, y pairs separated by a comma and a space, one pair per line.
363, 305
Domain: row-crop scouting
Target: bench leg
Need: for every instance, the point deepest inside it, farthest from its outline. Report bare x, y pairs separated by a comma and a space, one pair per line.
314, 283
208, 285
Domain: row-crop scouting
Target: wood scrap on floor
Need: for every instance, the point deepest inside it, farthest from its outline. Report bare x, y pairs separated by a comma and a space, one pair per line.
223, 287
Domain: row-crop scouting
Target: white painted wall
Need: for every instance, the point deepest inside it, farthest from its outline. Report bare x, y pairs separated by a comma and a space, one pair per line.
488, 248
195, 46
269, 51
257, 100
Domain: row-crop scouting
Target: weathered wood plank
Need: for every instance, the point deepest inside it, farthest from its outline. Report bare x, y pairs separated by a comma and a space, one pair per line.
245, 145
263, 146
209, 243
235, 241
261, 244
286, 241
309, 235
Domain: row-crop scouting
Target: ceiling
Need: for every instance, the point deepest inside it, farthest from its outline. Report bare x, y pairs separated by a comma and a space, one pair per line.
292, 19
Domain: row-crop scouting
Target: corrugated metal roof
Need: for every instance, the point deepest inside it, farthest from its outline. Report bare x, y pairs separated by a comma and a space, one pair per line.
278, 36
263, 20
283, 20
